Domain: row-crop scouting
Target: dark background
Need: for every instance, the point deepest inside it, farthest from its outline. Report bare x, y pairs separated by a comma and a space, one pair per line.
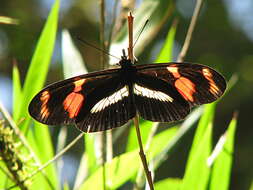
223, 39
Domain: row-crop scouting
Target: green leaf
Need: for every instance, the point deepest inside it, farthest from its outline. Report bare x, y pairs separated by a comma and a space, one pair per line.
38, 68
118, 170
46, 179
166, 52
251, 186
17, 91
90, 153
169, 183
205, 120
40, 138
46, 151
197, 172
132, 142
73, 64
3, 176
222, 166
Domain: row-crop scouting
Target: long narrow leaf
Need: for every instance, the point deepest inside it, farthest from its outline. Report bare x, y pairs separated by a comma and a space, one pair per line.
166, 52
38, 68
223, 163
132, 142
73, 63
35, 78
17, 92
206, 118
197, 172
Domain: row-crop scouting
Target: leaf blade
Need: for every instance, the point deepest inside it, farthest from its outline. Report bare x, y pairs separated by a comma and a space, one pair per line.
223, 163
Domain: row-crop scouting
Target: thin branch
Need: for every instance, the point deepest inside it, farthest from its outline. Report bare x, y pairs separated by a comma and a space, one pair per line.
139, 178
142, 154
130, 37
188, 38
102, 32
102, 63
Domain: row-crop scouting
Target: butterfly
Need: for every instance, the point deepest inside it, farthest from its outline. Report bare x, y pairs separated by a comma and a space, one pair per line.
107, 99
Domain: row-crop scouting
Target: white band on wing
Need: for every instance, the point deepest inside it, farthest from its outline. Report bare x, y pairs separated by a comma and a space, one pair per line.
142, 91
112, 99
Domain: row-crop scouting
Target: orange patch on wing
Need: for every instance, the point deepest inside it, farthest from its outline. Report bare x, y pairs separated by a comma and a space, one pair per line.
44, 98
173, 69
209, 76
186, 88
78, 85
73, 103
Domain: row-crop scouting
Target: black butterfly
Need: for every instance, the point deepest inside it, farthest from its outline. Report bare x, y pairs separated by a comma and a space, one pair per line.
107, 99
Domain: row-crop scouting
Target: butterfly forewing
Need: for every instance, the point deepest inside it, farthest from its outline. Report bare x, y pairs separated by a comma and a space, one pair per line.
76, 100
196, 83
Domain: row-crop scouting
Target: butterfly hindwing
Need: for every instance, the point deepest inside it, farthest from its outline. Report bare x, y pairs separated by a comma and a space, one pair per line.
156, 100
197, 84
110, 111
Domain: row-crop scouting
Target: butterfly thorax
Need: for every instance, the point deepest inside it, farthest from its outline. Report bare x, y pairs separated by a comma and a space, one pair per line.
128, 70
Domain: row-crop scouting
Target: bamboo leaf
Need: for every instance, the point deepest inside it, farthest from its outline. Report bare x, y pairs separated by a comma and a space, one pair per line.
17, 91
166, 52
222, 166
132, 142
38, 68
205, 120
73, 64
197, 172
40, 137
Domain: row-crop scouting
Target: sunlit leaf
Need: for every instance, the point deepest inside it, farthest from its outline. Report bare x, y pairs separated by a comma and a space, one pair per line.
221, 172
166, 52
40, 138
38, 68
73, 64
169, 183
197, 172
17, 93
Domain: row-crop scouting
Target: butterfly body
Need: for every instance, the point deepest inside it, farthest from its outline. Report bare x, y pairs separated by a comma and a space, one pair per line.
108, 99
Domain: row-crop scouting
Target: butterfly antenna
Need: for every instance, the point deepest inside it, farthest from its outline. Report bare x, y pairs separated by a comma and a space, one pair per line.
95, 47
145, 24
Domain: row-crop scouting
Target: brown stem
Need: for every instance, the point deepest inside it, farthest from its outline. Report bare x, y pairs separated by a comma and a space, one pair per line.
102, 63
135, 119
142, 154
